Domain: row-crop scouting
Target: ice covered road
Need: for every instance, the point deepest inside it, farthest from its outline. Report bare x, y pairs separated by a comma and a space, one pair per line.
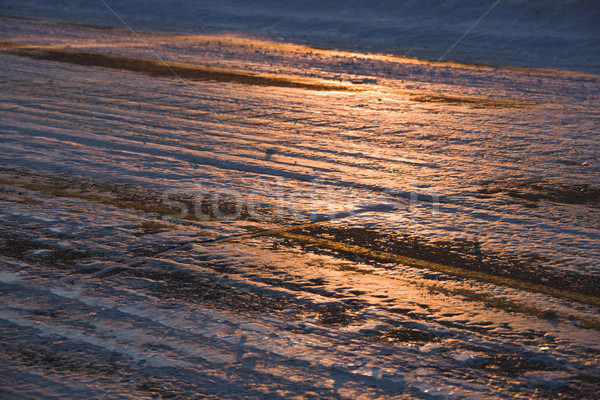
197, 216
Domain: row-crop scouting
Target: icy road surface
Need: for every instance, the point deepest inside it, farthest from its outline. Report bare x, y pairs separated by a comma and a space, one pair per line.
104, 298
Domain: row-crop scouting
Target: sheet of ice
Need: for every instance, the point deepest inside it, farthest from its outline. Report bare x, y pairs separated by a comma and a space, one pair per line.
545, 34
310, 155
112, 313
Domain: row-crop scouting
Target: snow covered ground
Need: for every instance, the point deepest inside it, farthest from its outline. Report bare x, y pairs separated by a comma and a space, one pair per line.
476, 168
